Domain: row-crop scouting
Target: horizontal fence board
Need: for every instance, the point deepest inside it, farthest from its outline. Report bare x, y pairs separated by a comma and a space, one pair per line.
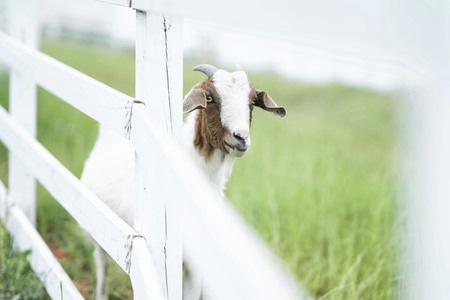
56, 281
235, 261
44, 264
97, 100
111, 232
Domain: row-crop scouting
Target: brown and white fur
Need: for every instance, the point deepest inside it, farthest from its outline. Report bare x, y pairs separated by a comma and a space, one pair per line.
215, 133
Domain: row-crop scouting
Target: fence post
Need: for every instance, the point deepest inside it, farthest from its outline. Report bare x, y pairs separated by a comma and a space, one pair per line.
3, 16
159, 65
426, 262
23, 26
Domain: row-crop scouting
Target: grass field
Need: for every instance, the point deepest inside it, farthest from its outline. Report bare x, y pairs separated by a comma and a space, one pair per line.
318, 186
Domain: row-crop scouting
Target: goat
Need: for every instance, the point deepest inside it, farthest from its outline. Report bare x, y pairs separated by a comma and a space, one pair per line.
214, 134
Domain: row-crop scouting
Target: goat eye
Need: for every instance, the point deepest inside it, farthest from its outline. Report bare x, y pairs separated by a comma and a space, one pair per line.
209, 99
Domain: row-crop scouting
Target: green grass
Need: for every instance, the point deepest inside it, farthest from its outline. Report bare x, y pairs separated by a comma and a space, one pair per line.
318, 185
319, 188
17, 280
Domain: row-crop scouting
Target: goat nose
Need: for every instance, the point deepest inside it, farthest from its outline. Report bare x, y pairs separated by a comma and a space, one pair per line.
241, 135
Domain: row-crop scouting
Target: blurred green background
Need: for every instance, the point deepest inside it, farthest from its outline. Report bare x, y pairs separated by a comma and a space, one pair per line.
319, 186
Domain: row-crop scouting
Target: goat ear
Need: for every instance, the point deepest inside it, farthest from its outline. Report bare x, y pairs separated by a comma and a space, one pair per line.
265, 102
195, 99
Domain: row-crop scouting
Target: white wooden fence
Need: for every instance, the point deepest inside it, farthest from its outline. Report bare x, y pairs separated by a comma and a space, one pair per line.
408, 40
151, 253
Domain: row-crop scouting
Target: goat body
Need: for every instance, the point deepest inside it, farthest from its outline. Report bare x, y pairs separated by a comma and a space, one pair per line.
214, 135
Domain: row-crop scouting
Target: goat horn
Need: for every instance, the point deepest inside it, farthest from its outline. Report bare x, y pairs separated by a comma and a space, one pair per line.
207, 69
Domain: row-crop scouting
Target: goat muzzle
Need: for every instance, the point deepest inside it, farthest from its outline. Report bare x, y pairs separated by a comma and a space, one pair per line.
238, 143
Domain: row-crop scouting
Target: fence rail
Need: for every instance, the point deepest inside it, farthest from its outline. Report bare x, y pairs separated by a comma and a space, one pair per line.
55, 279
101, 102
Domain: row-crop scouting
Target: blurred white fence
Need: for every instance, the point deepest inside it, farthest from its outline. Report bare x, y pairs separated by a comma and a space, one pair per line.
172, 189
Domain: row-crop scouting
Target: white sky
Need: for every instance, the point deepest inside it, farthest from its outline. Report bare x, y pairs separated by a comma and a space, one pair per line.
340, 43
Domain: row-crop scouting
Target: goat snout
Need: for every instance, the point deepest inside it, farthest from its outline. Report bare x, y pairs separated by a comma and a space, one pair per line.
238, 143
241, 135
